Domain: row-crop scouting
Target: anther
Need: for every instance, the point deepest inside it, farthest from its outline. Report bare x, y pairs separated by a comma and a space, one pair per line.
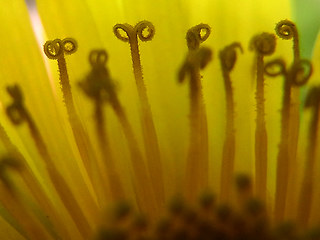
197, 35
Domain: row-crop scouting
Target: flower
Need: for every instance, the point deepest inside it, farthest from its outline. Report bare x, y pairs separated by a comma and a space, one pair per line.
141, 136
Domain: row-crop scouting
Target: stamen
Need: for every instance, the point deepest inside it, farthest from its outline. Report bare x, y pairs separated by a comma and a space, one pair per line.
264, 45
145, 31
274, 69
296, 76
228, 59
56, 49
307, 186
197, 160
287, 30
34, 186
18, 114
99, 86
32, 228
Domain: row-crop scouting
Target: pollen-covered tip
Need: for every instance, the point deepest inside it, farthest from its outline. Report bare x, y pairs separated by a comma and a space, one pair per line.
264, 44
286, 29
57, 47
228, 55
197, 35
98, 84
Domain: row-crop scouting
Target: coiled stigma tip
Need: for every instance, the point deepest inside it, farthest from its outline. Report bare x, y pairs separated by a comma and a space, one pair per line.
57, 48
300, 72
98, 84
145, 30
197, 35
286, 29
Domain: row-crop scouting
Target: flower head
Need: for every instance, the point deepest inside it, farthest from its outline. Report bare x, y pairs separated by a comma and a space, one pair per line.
175, 99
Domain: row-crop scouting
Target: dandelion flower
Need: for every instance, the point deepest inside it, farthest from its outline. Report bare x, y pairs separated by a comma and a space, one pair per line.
148, 108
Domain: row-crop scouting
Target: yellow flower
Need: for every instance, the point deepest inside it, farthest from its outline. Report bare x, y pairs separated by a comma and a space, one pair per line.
143, 137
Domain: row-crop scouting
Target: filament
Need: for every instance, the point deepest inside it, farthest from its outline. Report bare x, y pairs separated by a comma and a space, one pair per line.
96, 85
197, 159
228, 57
283, 159
264, 45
